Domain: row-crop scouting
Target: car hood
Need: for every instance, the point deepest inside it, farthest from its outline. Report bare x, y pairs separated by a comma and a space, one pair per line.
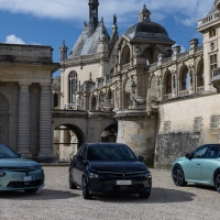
118, 167
17, 162
181, 158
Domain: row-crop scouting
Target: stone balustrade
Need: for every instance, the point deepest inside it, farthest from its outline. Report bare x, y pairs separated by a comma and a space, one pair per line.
183, 93
168, 96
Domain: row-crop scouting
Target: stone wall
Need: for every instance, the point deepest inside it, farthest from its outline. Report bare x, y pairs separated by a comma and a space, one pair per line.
184, 125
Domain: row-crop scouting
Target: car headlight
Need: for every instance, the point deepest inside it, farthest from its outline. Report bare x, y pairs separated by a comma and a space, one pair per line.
93, 175
2, 173
148, 176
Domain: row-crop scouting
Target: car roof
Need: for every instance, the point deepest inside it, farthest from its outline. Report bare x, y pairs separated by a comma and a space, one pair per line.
105, 144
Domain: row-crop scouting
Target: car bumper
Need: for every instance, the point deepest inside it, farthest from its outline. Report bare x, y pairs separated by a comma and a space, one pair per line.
14, 180
106, 186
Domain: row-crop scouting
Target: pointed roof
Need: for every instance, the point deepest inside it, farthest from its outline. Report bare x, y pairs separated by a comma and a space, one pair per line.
87, 45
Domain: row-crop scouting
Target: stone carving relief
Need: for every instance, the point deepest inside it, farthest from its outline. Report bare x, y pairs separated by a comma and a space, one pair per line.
156, 88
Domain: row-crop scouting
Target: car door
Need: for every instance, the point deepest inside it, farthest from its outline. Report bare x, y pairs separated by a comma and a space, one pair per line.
75, 166
192, 168
210, 164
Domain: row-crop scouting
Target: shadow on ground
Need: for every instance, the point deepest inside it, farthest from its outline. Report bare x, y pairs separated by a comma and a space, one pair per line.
41, 194
158, 195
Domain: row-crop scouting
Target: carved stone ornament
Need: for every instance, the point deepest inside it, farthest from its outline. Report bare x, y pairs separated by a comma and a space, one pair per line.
212, 45
158, 73
154, 102
189, 63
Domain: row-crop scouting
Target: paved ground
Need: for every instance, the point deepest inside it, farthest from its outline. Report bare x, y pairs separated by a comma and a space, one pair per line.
57, 202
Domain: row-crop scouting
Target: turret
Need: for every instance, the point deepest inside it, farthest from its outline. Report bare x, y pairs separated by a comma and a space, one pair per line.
103, 50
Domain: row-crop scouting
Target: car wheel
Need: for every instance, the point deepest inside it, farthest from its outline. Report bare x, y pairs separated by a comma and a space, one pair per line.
178, 177
217, 182
144, 195
31, 191
85, 191
71, 184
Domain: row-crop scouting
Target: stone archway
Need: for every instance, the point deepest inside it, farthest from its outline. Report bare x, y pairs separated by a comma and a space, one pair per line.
67, 139
4, 120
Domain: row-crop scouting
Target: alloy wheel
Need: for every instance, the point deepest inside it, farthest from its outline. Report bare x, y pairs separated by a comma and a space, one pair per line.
217, 182
178, 177
85, 192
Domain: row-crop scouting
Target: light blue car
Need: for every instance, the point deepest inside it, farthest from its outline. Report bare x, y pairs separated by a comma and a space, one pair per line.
202, 166
17, 173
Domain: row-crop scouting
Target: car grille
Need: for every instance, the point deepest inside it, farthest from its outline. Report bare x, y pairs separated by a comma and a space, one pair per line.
122, 173
35, 183
20, 169
115, 188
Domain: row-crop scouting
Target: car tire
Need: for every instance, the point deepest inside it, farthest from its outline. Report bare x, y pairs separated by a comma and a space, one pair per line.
144, 195
71, 184
178, 177
85, 191
31, 191
217, 182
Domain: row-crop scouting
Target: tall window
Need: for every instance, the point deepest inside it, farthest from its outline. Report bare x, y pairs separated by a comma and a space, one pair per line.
168, 83
213, 62
55, 100
185, 79
212, 33
200, 75
72, 87
125, 56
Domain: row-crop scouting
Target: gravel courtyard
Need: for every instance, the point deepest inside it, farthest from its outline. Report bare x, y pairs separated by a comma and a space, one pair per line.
57, 201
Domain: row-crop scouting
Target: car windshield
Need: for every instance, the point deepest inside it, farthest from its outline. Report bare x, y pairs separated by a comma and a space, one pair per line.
110, 153
6, 152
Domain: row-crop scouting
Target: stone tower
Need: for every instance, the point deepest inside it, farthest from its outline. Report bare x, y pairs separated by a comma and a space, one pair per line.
93, 15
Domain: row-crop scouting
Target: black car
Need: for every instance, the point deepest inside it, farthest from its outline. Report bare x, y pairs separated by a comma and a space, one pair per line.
101, 168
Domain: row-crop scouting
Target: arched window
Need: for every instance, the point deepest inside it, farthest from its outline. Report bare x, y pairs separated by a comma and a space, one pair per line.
151, 54
184, 79
73, 80
200, 75
168, 83
55, 100
126, 96
125, 55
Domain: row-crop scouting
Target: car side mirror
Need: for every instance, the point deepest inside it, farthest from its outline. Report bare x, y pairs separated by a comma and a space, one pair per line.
141, 158
187, 156
19, 155
80, 158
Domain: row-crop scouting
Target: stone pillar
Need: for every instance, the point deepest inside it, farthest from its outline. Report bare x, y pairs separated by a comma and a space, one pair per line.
24, 121
45, 153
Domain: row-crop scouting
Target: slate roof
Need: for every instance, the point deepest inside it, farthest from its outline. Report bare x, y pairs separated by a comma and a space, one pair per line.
87, 45
150, 31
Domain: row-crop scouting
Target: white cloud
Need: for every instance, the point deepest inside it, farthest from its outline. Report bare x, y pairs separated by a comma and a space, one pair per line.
12, 39
188, 11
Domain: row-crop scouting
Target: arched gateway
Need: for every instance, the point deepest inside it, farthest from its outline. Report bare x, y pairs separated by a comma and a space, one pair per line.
73, 128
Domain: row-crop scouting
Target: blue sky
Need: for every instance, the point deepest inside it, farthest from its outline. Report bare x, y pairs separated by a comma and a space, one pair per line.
49, 22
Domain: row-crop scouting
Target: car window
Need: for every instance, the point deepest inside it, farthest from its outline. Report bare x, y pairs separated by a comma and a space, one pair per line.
110, 153
200, 152
213, 152
6, 152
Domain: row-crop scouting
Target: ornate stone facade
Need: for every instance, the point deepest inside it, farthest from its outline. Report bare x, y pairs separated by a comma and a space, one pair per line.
165, 102
25, 99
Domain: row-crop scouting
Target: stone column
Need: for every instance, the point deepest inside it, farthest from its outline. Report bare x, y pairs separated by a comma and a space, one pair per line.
45, 153
24, 120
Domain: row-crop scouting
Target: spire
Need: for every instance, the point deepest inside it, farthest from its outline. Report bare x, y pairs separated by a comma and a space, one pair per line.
93, 15
114, 26
144, 14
